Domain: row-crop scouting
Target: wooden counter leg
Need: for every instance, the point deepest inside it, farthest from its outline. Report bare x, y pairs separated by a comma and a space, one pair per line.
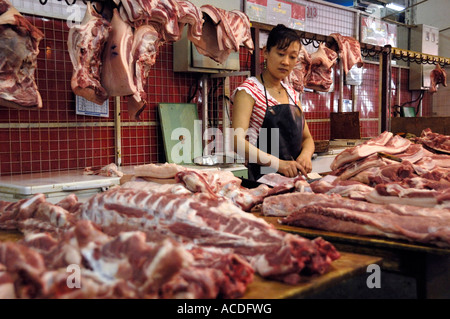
434, 283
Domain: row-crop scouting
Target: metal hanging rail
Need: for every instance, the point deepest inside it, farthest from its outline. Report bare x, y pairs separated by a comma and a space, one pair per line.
418, 57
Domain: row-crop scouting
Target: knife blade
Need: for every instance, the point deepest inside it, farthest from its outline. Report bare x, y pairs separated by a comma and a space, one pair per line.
389, 156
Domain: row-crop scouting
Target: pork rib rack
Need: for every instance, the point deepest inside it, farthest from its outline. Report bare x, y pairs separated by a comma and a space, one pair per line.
210, 222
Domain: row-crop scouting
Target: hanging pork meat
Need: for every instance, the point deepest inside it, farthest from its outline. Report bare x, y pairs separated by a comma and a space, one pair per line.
298, 75
223, 32
319, 78
192, 16
116, 75
136, 11
126, 48
19, 48
85, 45
437, 76
153, 23
146, 42
349, 51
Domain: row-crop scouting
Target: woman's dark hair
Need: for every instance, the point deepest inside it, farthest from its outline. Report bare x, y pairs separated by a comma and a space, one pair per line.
281, 37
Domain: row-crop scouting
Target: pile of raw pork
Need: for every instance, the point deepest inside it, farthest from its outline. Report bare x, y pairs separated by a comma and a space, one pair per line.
387, 187
190, 238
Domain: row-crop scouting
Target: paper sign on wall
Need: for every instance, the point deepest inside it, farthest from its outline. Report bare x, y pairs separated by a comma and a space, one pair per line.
85, 107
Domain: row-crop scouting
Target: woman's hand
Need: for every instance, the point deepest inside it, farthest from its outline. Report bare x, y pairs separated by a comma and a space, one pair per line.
290, 168
305, 162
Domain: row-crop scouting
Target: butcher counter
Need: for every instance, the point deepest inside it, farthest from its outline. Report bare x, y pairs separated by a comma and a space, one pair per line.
342, 269
346, 267
427, 265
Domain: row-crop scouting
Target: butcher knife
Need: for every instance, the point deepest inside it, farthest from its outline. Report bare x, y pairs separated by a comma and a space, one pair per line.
389, 156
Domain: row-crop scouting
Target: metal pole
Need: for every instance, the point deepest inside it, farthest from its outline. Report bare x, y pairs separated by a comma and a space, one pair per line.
117, 131
385, 98
225, 119
341, 84
204, 111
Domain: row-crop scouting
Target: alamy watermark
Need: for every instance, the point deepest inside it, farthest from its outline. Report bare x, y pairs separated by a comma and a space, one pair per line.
374, 279
215, 141
76, 15
74, 278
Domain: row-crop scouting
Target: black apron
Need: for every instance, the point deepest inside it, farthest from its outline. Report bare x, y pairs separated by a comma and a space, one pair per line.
290, 121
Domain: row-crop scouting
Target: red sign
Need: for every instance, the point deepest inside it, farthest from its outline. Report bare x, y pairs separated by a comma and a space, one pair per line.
260, 2
298, 11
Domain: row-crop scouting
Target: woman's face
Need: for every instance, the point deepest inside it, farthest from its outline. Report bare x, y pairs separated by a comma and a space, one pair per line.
281, 62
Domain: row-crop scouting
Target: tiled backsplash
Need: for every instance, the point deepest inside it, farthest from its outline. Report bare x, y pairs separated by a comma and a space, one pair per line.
56, 138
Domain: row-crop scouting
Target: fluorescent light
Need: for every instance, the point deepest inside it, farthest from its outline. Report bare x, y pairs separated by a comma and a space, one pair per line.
395, 6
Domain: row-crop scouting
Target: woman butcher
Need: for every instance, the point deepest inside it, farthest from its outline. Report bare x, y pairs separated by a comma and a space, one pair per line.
269, 124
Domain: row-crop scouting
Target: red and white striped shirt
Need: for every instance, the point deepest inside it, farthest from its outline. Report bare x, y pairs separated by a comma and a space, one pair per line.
256, 90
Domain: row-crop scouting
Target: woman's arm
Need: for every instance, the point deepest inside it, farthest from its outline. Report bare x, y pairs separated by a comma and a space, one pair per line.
304, 159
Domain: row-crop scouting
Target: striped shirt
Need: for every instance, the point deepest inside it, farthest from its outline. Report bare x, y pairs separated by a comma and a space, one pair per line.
256, 90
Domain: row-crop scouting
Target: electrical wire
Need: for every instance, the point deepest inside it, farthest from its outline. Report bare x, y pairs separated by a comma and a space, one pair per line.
419, 99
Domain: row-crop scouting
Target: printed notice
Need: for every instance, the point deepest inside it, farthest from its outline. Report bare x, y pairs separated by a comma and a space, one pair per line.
278, 12
256, 10
85, 107
298, 17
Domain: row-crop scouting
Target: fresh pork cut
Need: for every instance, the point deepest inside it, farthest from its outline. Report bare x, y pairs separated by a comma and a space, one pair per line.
219, 183
417, 229
210, 223
331, 184
297, 77
349, 51
136, 11
85, 45
386, 142
164, 17
319, 78
437, 76
192, 16
117, 72
335, 213
402, 193
19, 48
223, 32
145, 47
434, 141
129, 265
